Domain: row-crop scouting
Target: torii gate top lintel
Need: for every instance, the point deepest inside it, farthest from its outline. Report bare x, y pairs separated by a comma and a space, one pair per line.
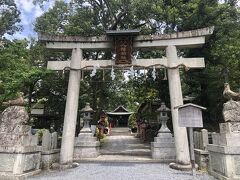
189, 39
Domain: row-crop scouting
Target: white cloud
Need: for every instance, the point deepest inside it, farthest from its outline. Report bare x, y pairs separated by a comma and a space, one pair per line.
38, 11
15, 36
29, 13
25, 5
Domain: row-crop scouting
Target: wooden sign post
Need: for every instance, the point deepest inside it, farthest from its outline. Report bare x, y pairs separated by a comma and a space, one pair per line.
190, 116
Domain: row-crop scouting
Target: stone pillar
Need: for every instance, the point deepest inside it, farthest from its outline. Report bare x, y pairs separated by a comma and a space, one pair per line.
46, 140
204, 139
70, 117
180, 133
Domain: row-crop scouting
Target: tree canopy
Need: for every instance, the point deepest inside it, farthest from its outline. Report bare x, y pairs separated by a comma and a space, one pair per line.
93, 18
9, 17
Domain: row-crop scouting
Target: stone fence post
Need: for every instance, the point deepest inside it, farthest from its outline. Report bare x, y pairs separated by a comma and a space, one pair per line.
200, 139
46, 140
204, 139
50, 153
200, 148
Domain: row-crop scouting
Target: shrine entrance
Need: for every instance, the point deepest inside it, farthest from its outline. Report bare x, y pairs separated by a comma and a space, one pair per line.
119, 117
124, 43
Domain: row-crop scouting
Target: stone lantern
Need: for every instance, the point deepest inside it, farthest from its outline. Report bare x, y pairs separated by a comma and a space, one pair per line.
86, 145
87, 113
163, 147
163, 111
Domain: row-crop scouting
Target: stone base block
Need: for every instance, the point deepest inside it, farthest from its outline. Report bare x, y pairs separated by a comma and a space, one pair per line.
229, 139
163, 147
86, 139
163, 151
224, 162
181, 167
86, 146
18, 166
50, 157
19, 163
61, 167
9, 176
201, 158
85, 152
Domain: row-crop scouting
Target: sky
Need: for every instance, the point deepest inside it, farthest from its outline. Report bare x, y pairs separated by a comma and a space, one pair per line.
29, 13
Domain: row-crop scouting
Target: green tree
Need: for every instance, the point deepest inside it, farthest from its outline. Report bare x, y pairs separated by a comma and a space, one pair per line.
221, 52
9, 17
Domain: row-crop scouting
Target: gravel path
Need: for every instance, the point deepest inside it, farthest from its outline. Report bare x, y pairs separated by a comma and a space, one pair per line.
120, 171
123, 157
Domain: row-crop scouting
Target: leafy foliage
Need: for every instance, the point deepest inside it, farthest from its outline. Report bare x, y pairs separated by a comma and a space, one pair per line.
23, 69
9, 17
18, 71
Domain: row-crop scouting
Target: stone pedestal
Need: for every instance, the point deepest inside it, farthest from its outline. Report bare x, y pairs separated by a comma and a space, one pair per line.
49, 157
86, 146
163, 147
201, 158
19, 154
224, 153
19, 162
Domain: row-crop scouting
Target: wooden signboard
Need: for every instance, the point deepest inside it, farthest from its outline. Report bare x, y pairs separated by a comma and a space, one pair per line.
123, 45
190, 115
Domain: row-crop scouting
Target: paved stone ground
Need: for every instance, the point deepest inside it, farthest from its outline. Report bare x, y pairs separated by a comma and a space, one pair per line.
123, 157
120, 171
123, 146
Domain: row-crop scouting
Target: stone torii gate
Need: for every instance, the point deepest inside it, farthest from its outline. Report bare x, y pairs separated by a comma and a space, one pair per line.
170, 42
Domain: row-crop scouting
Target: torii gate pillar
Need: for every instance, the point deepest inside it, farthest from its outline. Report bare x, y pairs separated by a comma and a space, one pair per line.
70, 117
180, 133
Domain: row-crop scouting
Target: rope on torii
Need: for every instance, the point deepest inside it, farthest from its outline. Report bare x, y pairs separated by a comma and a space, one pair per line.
182, 65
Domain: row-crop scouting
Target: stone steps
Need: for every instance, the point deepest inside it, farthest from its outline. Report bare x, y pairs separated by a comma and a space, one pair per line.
120, 131
140, 153
121, 159
124, 146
